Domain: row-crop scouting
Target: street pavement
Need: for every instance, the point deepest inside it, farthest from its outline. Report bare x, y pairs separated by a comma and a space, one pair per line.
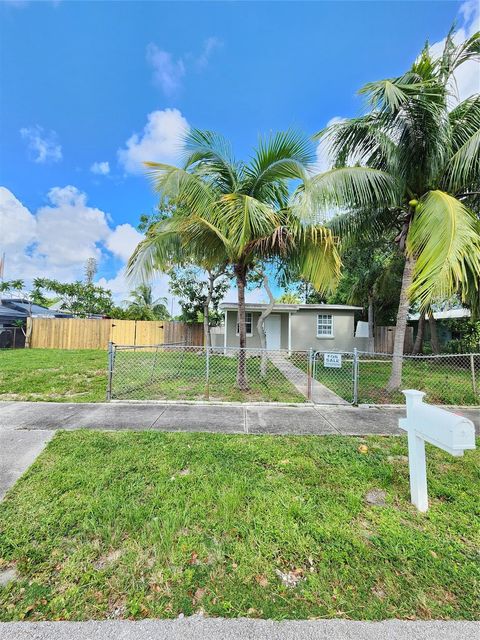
199, 628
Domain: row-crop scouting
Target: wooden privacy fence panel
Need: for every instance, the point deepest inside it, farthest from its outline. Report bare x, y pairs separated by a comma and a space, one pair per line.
385, 337
83, 333
191, 334
68, 333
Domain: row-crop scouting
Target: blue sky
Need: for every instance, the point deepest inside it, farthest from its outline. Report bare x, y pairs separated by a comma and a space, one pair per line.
88, 89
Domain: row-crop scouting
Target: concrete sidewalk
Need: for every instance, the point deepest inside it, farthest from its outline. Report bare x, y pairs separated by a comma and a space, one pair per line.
199, 628
25, 427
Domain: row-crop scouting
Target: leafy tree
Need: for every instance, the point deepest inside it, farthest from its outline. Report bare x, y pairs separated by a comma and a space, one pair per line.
199, 292
288, 297
7, 286
82, 299
231, 212
429, 153
143, 306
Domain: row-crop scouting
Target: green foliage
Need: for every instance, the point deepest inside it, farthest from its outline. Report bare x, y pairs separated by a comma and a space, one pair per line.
465, 335
191, 286
431, 156
7, 286
82, 299
143, 306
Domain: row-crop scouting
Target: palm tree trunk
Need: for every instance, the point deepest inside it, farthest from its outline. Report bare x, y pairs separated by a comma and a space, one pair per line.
418, 346
261, 325
402, 315
241, 277
371, 337
432, 323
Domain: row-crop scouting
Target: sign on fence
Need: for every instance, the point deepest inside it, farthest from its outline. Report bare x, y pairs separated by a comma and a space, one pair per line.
332, 360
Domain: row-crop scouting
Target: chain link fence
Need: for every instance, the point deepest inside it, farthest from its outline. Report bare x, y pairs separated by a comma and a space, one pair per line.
182, 372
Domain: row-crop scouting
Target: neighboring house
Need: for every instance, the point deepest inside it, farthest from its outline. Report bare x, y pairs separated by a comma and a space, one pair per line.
296, 327
14, 311
444, 330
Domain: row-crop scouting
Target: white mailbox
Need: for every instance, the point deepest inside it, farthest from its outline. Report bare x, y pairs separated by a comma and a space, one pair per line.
448, 431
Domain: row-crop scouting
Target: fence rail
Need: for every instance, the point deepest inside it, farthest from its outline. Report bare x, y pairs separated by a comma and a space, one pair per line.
188, 372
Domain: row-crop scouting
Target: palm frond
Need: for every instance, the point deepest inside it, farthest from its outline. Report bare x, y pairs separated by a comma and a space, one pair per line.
347, 188
284, 156
444, 239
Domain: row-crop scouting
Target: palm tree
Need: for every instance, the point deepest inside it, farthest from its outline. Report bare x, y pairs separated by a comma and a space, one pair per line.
234, 213
143, 306
431, 151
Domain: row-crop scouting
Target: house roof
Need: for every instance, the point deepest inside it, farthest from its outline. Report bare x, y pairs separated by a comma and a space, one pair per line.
444, 315
289, 308
9, 312
21, 308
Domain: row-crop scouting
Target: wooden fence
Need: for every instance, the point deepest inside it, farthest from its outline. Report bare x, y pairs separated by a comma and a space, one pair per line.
385, 337
80, 333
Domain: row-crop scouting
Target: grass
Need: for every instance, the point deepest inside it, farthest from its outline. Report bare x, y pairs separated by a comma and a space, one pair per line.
53, 375
445, 381
149, 524
174, 375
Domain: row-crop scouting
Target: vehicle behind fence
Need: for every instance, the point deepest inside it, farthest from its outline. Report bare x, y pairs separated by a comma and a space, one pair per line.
184, 372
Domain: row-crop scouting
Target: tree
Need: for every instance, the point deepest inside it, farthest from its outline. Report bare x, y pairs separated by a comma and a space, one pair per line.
8, 286
143, 306
199, 292
79, 298
231, 212
430, 152
288, 297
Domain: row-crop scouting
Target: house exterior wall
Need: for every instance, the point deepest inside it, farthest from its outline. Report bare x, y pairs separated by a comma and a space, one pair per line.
253, 341
303, 332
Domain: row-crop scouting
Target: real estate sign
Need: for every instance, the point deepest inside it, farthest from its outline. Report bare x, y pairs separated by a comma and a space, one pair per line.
332, 360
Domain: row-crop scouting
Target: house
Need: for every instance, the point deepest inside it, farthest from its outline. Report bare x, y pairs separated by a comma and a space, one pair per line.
445, 330
294, 327
13, 315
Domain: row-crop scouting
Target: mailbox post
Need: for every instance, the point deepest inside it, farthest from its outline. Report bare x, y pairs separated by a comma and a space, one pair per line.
425, 423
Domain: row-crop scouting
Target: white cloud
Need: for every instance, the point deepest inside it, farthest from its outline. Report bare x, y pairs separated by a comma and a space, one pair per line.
167, 72
467, 76
100, 168
42, 145
160, 141
323, 152
58, 238
123, 240
209, 46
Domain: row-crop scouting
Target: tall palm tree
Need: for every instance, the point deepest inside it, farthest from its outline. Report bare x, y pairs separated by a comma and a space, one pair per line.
431, 151
232, 212
143, 306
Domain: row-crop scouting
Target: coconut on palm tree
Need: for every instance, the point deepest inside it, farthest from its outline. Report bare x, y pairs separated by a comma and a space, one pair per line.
430, 150
235, 213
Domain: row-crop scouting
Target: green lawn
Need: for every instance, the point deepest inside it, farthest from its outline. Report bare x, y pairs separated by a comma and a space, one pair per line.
181, 375
149, 524
444, 381
53, 375
56, 375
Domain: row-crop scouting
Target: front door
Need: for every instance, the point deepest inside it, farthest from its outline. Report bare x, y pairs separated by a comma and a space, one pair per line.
272, 329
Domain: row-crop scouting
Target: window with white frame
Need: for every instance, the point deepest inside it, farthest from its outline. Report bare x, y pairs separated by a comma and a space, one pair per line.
248, 324
324, 325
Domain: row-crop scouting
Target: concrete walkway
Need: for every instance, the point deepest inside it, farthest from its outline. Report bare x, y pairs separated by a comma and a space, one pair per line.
320, 393
198, 628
